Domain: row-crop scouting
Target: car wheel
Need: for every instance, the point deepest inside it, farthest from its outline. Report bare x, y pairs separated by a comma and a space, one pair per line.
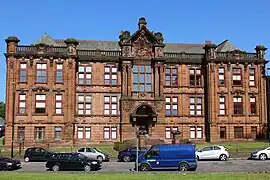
87, 168
223, 157
100, 158
55, 167
144, 167
4, 168
263, 157
126, 158
26, 159
183, 167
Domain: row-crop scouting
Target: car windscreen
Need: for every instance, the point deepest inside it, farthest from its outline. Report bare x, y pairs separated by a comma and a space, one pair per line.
98, 150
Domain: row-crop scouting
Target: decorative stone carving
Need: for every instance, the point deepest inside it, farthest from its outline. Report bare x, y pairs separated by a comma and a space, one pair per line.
142, 47
31, 61
159, 52
41, 89
42, 48
126, 52
51, 61
11, 65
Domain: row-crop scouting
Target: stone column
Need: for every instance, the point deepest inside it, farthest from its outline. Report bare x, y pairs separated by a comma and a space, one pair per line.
209, 95
70, 84
176, 137
260, 50
129, 79
142, 138
124, 80
156, 78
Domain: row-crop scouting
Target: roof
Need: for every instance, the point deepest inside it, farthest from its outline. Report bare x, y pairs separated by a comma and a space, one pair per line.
113, 45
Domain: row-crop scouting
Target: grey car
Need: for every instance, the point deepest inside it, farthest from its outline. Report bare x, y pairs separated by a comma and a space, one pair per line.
93, 153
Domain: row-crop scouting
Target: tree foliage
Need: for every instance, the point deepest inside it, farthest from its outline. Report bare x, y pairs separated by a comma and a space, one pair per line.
2, 110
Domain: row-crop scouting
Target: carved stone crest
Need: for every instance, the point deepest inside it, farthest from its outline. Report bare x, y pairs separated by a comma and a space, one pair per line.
159, 52
42, 48
142, 47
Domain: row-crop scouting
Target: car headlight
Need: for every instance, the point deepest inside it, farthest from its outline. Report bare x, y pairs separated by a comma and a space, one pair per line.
9, 164
94, 162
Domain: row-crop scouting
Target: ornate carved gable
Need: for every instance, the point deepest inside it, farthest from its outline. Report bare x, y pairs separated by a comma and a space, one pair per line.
143, 44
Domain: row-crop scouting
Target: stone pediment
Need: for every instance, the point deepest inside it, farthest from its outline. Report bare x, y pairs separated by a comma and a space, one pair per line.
143, 44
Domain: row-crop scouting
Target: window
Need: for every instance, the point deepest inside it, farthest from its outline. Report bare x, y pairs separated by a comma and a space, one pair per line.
41, 76
251, 76
195, 106
171, 76
85, 75
58, 133
58, 104
222, 132
237, 76
59, 73
221, 76
80, 132
110, 132
168, 132
39, 133
40, 103
87, 132
84, 132
171, 106
253, 109
84, 104
196, 132
110, 75
238, 105
22, 104
23, 73
21, 133
110, 105
238, 132
222, 106
142, 78
195, 77
254, 132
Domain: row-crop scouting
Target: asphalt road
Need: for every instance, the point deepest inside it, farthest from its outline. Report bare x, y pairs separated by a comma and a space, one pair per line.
203, 166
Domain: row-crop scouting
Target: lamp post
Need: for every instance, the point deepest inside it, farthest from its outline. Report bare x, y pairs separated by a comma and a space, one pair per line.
137, 149
13, 118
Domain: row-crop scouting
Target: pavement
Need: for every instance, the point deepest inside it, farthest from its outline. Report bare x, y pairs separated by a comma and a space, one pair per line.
203, 166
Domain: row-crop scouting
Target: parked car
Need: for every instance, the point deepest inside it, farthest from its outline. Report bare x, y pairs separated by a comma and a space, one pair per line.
213, 153
129, 154
169, 156
72, 161
94, 153
36, 154
9, 164
262, 154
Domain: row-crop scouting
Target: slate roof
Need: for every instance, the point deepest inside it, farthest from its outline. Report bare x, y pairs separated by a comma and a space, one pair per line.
113, 45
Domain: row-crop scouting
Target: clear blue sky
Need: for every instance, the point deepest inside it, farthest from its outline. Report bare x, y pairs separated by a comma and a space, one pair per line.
245, 23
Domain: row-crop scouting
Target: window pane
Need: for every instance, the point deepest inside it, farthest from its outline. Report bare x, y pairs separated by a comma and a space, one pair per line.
87, 98
58, 111
168, 100
148, 88
148, 78
114, 112
23, 66
107, 76
107, 69
58, 97
141, 69
114, 99
135, 68
114, 76
192, 100
141, 78
106, 99
40, 97
135, 87
88, 69
174, 100
114, 69
135, 78
22, 97
59, 66
168, 106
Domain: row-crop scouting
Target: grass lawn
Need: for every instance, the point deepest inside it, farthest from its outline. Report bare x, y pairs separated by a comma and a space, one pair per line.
148, 176
234, 148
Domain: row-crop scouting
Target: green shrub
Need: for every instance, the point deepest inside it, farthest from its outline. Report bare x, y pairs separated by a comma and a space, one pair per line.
120, 146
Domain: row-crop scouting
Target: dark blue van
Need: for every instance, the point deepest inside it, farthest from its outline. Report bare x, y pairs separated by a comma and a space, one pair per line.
169, 156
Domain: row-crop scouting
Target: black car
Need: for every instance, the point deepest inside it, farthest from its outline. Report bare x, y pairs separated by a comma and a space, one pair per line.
9, 164
72, 161
129, 154
36, 154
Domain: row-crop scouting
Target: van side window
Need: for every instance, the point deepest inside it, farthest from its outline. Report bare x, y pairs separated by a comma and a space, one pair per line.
153, 153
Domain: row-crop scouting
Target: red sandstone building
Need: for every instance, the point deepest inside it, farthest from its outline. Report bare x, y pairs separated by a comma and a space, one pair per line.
84, 91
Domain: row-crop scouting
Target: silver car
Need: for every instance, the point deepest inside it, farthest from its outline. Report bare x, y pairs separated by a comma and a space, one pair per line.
93, 153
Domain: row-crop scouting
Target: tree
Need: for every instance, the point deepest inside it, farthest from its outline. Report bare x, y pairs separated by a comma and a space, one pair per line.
2, 110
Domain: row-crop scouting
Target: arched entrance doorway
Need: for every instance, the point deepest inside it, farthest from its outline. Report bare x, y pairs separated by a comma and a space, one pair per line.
144, 118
